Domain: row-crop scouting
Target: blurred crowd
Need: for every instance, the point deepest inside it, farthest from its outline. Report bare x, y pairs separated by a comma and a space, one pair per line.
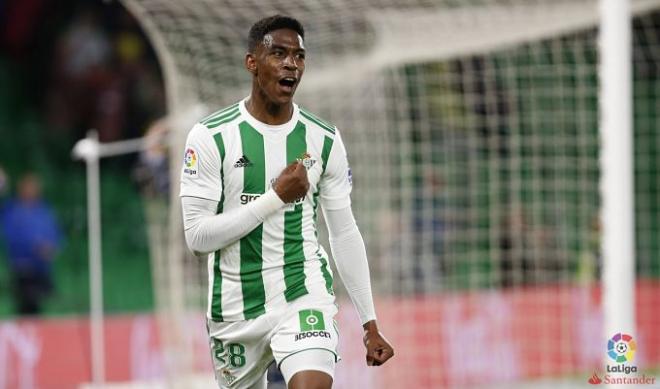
94, 67
66, 67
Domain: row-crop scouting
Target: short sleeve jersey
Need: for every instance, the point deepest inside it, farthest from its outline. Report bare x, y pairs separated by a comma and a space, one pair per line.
233, 158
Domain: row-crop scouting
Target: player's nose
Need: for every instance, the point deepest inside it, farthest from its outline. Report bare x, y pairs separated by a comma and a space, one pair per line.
289, 62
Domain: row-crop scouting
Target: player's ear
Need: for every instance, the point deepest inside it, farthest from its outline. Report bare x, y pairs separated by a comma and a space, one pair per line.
251, 63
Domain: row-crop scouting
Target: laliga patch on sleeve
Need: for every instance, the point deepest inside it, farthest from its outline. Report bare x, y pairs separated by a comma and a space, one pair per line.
191, 163
350, 177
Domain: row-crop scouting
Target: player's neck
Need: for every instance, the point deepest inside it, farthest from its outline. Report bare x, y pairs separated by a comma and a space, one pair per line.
268, 112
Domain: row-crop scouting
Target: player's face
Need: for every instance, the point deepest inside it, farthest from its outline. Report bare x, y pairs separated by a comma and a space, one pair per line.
278, 65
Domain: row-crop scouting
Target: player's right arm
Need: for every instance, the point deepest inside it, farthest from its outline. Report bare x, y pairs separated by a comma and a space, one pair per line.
201, 189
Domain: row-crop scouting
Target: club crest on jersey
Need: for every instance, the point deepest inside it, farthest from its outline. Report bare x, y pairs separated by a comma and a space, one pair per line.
190, 163
307, 160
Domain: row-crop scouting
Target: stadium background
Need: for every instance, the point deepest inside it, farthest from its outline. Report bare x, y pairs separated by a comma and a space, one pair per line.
66, 67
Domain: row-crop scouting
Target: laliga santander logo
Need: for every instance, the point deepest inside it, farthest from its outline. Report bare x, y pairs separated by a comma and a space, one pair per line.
621, 348
190, 159
190, 163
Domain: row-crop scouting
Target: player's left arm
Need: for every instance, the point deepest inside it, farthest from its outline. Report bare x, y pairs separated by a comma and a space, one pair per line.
349, 251
351, 259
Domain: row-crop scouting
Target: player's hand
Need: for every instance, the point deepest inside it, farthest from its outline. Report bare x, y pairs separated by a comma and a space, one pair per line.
292, 183
379, 349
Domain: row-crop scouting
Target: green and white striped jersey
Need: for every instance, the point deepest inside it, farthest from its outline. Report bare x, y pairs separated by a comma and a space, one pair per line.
233, 158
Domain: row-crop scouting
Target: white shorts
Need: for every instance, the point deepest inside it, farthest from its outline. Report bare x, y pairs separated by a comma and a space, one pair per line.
243, 350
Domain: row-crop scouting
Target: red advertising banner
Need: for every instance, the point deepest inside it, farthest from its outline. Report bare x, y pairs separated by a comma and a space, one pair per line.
449, 340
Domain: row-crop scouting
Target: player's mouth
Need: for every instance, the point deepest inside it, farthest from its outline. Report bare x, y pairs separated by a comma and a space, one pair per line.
288, 84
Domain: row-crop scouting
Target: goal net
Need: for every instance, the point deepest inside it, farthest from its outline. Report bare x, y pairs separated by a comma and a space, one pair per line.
472, 132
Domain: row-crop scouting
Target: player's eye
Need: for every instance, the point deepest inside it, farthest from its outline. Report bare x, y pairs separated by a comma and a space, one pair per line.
301, 56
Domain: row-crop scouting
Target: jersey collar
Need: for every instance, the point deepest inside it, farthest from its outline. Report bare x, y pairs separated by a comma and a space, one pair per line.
269, 129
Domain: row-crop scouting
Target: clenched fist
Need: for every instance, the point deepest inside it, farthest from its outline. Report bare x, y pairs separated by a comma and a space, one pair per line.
292, 183
379, 350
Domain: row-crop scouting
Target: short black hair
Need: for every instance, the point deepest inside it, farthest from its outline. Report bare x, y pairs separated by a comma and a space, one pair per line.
272, 23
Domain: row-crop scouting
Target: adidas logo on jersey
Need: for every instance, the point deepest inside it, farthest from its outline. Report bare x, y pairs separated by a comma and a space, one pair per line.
243, 162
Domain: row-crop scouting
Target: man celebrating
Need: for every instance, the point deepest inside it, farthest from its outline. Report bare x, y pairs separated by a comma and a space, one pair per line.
253, 176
